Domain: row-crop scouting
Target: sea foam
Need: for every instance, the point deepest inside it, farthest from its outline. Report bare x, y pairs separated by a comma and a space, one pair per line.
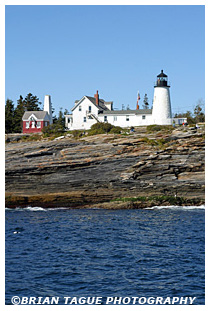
176, 207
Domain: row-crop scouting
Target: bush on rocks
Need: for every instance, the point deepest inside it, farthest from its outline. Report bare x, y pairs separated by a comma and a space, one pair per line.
53, 130
104, 128
156, 128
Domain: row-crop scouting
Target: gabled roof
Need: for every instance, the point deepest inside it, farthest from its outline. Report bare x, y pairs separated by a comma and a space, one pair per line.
39, 115
101, 105
101, 102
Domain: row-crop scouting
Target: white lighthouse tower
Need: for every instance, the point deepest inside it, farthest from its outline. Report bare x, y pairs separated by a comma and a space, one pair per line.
161, 111
48, 107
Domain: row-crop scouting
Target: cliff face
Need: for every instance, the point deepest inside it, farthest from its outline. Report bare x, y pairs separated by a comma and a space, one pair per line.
102, 168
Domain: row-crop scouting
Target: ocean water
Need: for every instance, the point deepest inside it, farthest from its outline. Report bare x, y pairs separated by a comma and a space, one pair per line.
105, 253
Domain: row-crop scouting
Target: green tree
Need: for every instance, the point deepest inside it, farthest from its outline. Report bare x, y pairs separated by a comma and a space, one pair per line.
198, 112
31, 103
9, 116
188, 115
145, 102
66, 111
58, 126
54, 117
60, 121
18, 114
52, 130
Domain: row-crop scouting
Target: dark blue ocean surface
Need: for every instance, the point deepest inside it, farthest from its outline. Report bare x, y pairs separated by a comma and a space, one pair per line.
102, 253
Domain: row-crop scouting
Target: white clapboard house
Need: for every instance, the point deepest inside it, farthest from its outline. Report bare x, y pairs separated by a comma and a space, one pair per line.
89, 110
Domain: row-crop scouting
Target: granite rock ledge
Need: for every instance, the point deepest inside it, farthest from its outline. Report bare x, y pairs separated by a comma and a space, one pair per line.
99, 171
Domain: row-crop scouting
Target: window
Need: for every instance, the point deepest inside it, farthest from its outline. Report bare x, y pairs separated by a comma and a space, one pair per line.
127, 118
38, 124
46, 123
115, 118
27, 125
105, 119
90, 109
79, 108
143, 117
84, 119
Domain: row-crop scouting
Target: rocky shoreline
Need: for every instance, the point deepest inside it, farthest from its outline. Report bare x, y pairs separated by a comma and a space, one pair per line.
111, 171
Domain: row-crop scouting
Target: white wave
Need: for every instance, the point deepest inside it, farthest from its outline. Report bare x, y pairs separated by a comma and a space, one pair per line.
35, 208
56, 208
28, 208
177, 207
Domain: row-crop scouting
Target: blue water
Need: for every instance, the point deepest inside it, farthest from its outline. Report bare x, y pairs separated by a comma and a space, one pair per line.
81, 253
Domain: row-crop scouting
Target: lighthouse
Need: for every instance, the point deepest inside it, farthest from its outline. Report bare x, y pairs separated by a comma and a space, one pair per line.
161, 111
48, 107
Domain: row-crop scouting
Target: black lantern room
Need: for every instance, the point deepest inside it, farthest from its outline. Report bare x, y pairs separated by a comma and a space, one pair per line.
162, 80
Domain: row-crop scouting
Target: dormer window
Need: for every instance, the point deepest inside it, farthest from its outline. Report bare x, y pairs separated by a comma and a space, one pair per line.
32, 118
32, 122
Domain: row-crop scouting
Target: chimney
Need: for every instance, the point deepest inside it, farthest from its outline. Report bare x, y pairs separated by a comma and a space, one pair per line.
48, 107
97, 98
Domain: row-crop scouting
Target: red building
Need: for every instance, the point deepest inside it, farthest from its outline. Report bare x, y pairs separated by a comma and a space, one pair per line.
34, 121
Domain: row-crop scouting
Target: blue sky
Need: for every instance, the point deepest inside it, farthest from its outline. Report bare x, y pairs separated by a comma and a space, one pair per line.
71, 51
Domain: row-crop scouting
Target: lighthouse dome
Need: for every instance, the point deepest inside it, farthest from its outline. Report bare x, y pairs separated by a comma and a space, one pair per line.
162, 74
162, 80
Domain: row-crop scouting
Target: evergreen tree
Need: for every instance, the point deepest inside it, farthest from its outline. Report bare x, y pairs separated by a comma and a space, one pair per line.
146, 102
188, 115
198, 113
61, 119
54, 117
31, 103
18, 114
9, 116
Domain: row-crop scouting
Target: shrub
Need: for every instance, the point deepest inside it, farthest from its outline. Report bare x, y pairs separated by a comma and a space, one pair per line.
148, 141
96, 132
52, 130
103, 128
106, 127
77, 133
156, 128
154, 142
33, 137
116, 130
161, 142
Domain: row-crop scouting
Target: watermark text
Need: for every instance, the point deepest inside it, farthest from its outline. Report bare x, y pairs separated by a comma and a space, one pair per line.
66, 300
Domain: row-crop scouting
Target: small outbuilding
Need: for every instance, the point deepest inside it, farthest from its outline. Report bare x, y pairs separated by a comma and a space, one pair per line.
34, 121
